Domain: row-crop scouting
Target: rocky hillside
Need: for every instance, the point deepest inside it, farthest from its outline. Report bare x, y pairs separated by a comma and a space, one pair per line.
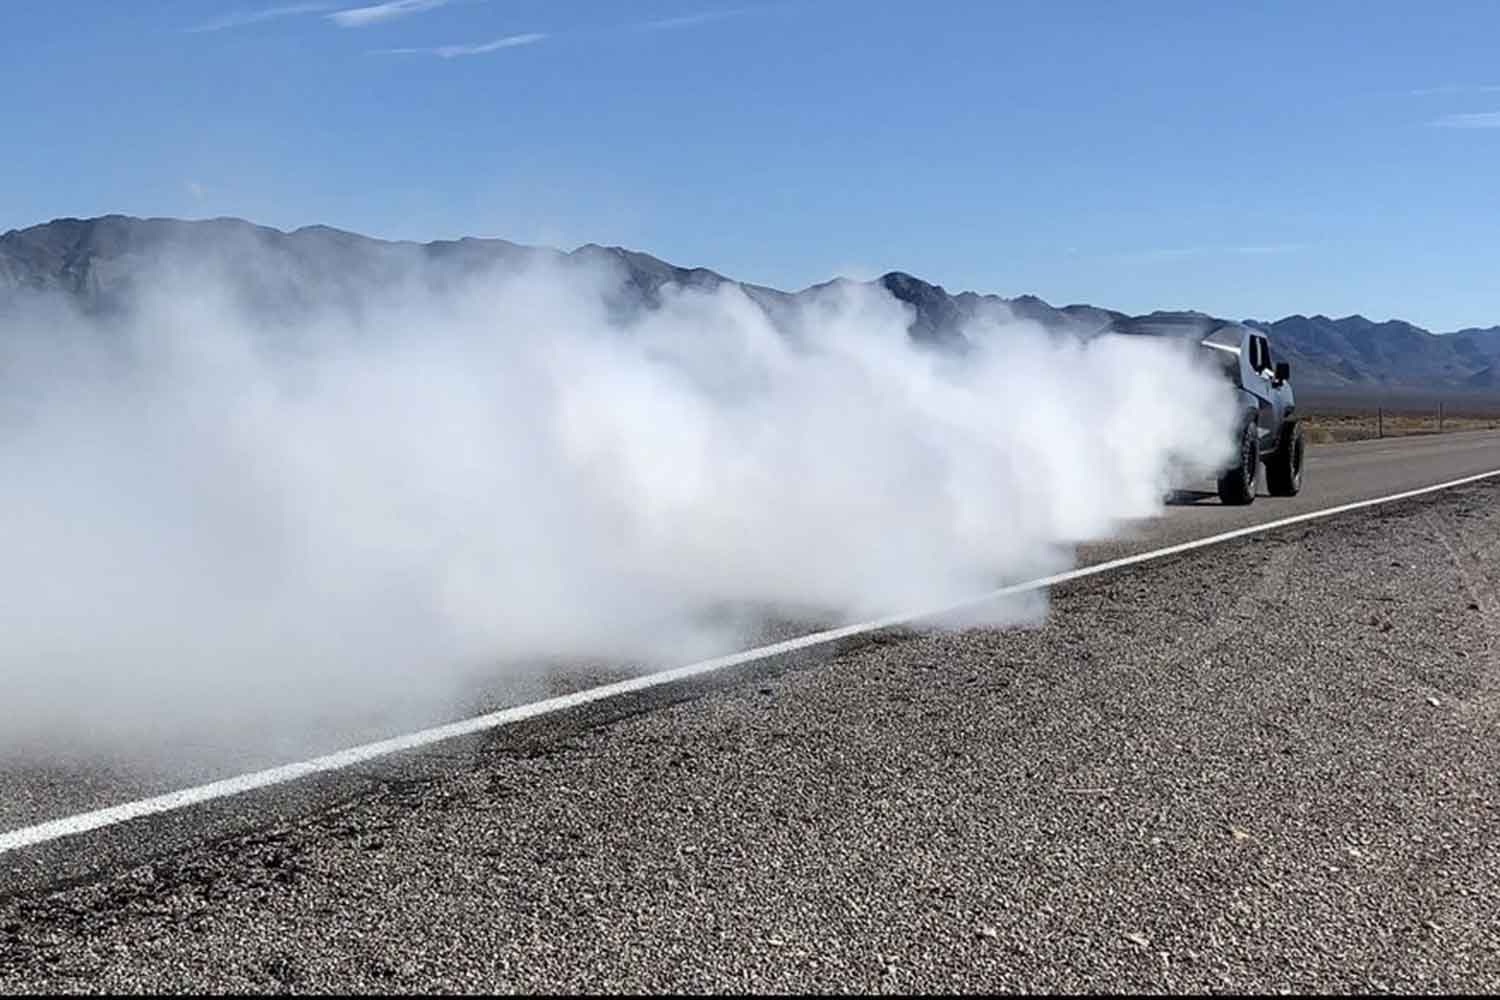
98, 262
1355, 351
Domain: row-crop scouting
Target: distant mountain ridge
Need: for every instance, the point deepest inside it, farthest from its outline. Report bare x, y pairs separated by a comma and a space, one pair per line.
96, 262
1355, 351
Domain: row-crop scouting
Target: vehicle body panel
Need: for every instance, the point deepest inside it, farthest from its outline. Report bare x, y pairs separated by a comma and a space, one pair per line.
1265, 398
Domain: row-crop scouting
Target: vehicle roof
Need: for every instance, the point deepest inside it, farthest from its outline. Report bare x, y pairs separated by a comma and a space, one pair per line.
1222, 334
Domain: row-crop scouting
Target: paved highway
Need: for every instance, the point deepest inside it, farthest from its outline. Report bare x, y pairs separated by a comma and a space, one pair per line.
1258, 765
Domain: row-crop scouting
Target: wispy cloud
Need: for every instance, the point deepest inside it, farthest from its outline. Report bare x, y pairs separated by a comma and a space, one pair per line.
1455, 88
1270, 248
359, 17
1250, 250
690, 20
240, 19
456, 51
1482, 119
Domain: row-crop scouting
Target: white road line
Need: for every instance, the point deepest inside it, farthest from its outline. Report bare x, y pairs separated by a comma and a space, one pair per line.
70, 826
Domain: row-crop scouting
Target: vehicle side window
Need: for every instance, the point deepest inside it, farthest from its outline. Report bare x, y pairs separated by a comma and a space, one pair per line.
1260, 354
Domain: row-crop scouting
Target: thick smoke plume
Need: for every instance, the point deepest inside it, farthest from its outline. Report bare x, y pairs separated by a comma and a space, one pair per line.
210, 517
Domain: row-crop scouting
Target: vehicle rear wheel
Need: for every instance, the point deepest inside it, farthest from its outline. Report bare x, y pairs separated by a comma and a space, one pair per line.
1237, 484
1284, 469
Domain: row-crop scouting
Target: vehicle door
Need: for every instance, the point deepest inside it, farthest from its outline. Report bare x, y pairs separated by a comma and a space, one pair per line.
1261, 382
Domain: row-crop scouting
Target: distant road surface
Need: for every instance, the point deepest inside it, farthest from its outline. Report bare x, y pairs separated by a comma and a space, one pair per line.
1336, 474
1264, 764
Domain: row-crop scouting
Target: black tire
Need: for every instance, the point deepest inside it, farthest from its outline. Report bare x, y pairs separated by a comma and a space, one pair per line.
1237, 484
1284, 469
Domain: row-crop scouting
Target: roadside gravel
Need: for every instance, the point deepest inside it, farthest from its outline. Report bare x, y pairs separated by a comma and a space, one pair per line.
1270, 765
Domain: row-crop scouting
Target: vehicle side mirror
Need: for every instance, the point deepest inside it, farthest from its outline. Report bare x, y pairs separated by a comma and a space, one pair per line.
1283, 371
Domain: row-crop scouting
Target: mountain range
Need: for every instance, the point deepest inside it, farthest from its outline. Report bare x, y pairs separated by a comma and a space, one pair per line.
98, 263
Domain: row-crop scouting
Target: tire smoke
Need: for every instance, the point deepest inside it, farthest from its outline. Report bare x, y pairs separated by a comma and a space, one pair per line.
216, 514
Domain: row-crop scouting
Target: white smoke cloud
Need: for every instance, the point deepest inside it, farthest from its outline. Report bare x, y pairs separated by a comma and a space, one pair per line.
209, 520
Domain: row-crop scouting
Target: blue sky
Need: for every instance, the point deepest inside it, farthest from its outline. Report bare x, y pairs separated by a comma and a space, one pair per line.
1246, 159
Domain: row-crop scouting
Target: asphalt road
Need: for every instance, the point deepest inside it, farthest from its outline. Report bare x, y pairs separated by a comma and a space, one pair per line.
1336, 475
1262, 765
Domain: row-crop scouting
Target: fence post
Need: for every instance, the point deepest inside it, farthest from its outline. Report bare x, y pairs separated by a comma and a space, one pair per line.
1379, 421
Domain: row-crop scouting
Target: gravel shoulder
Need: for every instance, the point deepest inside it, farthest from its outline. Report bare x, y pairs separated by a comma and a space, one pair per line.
1267, 765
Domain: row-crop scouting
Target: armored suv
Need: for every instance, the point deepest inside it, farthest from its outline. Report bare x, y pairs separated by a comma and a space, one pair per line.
1267, 432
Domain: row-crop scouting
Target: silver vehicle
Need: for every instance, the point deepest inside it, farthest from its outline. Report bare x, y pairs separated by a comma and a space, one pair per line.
1268, 432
